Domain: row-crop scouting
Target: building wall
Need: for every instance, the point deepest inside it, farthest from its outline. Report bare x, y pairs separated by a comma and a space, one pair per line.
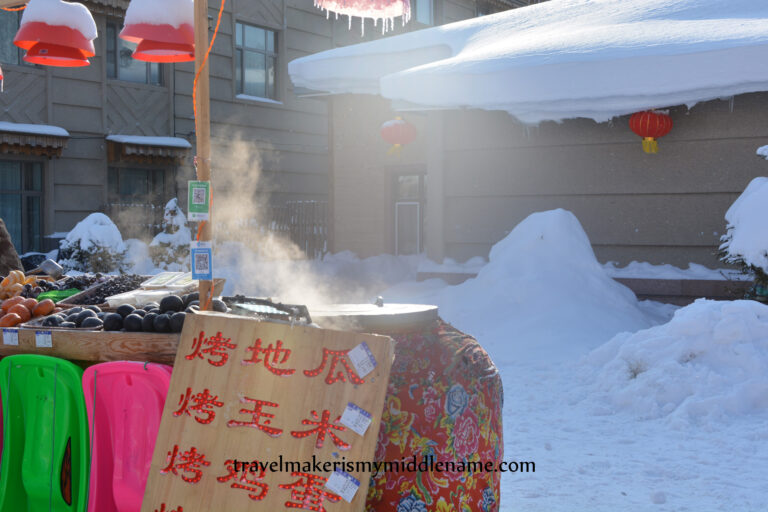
493, 171
89, 106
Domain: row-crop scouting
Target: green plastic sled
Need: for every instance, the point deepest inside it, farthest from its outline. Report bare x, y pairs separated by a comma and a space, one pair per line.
45, 436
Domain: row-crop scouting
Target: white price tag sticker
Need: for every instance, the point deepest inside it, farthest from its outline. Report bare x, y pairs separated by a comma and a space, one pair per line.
11, 337
343, 484
362, 359
356, 418
43, 339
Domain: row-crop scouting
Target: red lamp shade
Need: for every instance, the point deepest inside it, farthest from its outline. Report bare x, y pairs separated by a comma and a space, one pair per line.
153, 51
161, 43
56, 33
164, 31
367, 8
650, 125
398, 132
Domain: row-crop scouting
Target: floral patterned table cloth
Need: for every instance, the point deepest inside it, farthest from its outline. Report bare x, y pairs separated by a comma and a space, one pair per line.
444, 402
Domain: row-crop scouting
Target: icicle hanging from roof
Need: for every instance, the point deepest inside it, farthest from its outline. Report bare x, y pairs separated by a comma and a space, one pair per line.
385, 10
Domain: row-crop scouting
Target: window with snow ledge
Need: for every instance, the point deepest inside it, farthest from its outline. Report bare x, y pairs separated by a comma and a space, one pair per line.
256, 61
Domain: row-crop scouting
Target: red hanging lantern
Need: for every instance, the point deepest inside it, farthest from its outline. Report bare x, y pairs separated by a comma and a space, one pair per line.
398, 132
56, 33
650, 125
386, 10
162, 35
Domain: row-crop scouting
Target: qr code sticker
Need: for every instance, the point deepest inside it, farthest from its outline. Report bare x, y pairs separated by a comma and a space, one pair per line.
202, 265
198, 195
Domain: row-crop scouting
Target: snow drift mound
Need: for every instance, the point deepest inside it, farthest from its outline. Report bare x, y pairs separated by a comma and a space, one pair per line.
711, 360
747, 237
542, 295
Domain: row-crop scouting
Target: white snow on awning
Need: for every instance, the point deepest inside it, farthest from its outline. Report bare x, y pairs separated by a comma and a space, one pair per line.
561, 59
33, 129
138, 140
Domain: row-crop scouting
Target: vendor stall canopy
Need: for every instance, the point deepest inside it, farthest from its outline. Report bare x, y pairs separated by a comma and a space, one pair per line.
560, 59
58, 33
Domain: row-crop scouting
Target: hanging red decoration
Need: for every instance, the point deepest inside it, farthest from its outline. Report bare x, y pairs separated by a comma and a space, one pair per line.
650, 125
164, 34
398, 132
56, 33
386, 10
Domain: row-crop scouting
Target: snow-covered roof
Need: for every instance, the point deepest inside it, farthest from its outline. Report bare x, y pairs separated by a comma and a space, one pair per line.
35, 129
561, 59
139, 140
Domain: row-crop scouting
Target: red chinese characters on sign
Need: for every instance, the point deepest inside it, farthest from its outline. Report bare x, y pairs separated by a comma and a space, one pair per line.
215, 347
248, 481
307, 492
202, 404
163, 509
273, 355
337, 357
322, 427
189, 462
256, 415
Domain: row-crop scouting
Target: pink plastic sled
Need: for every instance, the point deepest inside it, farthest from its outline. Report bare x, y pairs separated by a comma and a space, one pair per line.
125, 402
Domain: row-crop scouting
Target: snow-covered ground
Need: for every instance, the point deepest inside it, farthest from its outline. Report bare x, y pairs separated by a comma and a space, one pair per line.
622, 404
670, 415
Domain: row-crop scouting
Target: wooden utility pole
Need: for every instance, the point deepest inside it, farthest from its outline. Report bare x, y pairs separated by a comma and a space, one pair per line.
203, 124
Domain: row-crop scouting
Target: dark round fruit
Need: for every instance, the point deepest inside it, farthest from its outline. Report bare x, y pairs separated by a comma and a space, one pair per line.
171, 303
150, 305
190, 297
192, 309
92, 323
101, 315
148, 323
52, 321
140, 312
162, 323
218, 305
132, 323
68, 325
113, 322
95, 309
76, 310
80, 318
177, 321
194, 303
125, 310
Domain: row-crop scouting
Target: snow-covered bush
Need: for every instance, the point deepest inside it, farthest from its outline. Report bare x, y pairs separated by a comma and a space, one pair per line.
94, 245
746, 241
169, 250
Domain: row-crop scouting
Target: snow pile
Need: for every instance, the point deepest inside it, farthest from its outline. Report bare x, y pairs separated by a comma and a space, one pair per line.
710, 361
56, 12
645, 270
95, 231
747, 238
542, 295
169, 249
763, 152
451, 266
94, 245
541, 62
172, 12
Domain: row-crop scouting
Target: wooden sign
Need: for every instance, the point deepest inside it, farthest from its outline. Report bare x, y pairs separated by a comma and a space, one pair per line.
266, 416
